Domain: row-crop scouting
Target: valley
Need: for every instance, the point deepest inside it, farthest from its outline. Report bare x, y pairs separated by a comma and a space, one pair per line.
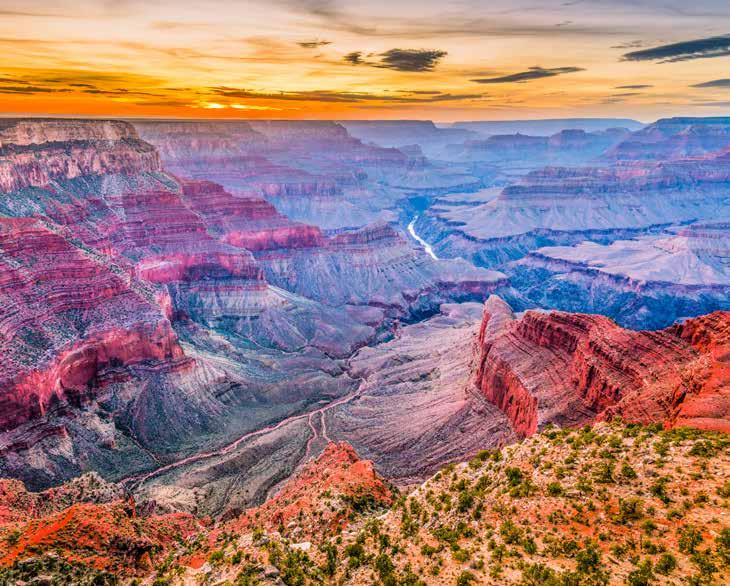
205, 314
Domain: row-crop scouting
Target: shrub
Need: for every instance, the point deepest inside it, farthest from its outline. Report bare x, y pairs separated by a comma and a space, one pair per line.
538, 575
666, 564
724, 490
689, 539
356, 554
629, 509
659, 490
529, 545
511, 534
465, 578
723, 546
603, 472
554, 489
589, 559
384, 566
514, 475
704, 564
643, 575
627, 471
466, 501
703, 449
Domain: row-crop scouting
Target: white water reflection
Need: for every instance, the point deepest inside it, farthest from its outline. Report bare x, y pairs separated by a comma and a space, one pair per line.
426, 246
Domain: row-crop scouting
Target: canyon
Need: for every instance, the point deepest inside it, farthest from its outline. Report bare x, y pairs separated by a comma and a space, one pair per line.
202, 320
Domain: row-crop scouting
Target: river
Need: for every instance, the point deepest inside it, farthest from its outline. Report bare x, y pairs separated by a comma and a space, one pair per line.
426, 246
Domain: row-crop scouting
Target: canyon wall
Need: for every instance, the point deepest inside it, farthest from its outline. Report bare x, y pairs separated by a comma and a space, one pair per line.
570, 369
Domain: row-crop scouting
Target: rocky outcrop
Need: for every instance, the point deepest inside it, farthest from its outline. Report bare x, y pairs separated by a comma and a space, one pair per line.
86, 520
674, 138
37, 153
250, 223
64, 317
414, 390
515, 151
569, 369
324, 495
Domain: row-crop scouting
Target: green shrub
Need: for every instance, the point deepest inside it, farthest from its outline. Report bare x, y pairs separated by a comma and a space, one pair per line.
511, 534
643, 575
666, 564
554, 489
689, 539
465, 578
629, 509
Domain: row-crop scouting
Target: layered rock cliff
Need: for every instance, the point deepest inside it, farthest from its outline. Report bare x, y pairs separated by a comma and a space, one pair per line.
37, 153
674, 138
569, 369
65, 317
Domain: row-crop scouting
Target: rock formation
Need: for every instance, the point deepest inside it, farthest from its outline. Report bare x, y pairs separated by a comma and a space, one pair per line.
647, 282
569, 369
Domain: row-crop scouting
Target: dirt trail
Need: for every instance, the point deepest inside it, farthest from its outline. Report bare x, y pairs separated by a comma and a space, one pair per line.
133, 482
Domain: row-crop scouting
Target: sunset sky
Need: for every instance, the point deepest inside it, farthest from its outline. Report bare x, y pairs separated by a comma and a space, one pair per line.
443, 60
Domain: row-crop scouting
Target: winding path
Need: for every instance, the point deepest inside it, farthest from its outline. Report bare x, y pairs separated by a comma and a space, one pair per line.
426, 246
137, 480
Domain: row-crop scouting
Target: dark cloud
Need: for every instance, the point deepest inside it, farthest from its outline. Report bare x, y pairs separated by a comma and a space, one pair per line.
28, 14
640, 86
13, 81
529, 75
340, 97
313, 44
354, 58
629, 45
166, 103
714, 83
118, 92
408, 60
411, 59
697, 49
29, 89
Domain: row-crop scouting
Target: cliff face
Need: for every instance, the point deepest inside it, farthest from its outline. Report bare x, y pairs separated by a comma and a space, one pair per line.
111, 266
36, 131
65, 317
271, 158
36, 153
573, 368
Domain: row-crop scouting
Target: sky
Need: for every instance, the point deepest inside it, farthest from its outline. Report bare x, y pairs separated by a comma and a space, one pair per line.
442, 60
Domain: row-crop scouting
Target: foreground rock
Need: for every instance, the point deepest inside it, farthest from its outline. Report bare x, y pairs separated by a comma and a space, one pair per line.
608, 504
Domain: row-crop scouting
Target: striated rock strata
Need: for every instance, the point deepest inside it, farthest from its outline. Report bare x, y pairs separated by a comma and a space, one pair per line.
569, 369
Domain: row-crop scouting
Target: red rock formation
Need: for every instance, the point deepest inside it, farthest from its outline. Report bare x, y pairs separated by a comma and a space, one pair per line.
86, 521
338, 475
572, 368
250, 223
64, 316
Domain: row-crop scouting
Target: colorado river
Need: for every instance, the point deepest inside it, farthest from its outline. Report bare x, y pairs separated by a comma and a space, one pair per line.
426, 246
